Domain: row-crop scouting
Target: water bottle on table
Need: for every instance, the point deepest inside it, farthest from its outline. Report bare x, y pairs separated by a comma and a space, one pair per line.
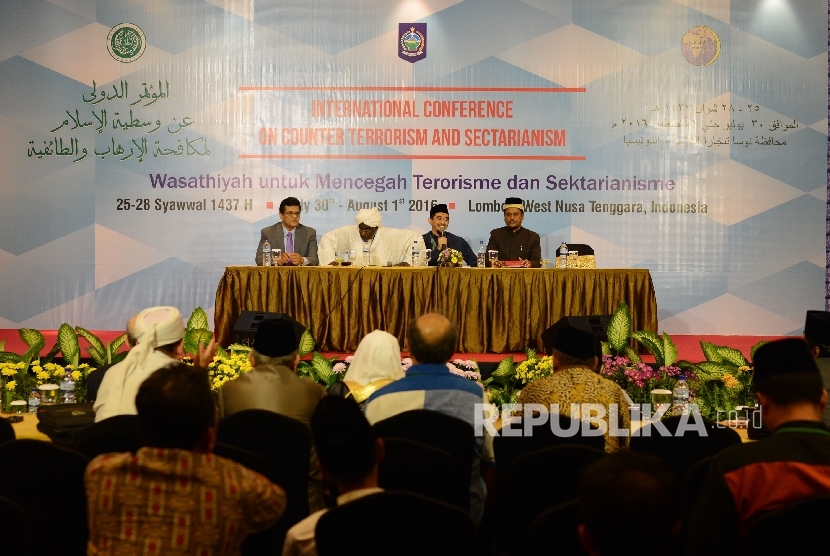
416, 254
365, 254
482, 255
67, 388
563, 254
266, 253
680, 396
34, 401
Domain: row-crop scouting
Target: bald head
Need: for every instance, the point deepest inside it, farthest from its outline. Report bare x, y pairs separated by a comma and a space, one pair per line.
131, 339
432, 339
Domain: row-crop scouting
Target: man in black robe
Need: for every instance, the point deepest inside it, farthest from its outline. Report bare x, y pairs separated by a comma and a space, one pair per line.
516, 245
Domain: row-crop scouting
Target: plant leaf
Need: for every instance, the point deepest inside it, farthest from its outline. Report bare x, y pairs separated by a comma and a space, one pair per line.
93, 340
2, 345
239, 347
9, 357
322, 368
669, 350
193, 337
732, 355
68, 340
708, 370
530, 353
619, 328
98, 356
710, 352
221, 352
652, 342
306, 343
34, 340
198, 320
304, 369
118, 357
632, 354
31, 337
754, 348
114, 346
606, 348
505, 368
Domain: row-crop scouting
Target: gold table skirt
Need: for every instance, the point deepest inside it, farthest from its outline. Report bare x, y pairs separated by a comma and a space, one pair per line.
496, 310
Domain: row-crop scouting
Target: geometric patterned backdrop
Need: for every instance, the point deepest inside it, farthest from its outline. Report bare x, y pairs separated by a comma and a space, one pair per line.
753, 264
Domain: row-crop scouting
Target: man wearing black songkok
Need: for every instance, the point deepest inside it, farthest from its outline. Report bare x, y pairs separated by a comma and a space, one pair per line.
817, 336
273, 385
747, 481
439, 238
514, 243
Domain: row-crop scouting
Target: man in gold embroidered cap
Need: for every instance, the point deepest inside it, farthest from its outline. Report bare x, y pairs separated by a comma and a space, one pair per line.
387, 246
516, 245
575, 380
159, 332
817, 336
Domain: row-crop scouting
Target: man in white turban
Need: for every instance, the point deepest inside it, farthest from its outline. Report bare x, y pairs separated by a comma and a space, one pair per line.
387, 246
159, 332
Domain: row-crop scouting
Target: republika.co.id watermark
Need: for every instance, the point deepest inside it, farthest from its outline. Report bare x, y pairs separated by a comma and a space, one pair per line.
594, 420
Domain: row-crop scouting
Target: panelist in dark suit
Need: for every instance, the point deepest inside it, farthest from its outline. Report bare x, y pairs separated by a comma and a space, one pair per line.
513, 242
439, 238
301, 240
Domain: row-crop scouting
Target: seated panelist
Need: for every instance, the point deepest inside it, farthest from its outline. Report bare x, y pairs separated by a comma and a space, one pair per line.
439, 238
386, 246
517, 246
297, 243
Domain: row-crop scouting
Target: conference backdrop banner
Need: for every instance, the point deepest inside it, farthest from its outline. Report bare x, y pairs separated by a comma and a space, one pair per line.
144, 144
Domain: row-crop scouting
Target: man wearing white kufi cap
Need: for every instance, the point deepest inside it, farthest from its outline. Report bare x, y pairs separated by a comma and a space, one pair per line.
159, 332
386, 245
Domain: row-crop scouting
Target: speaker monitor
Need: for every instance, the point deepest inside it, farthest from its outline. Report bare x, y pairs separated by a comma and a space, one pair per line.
595, 324
247, 325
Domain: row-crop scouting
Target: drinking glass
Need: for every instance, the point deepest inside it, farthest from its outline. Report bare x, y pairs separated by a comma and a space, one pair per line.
427, 255
660, 397
493, 256
573, 257
544, 263
339, 258
48, 394
275, 256
19, 406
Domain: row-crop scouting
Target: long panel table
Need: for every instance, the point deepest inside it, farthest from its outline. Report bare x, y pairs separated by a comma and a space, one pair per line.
496, 310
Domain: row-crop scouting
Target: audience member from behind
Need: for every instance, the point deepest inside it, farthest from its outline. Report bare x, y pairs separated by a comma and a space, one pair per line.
159, 333
628, 505
749, 480
817, 336
174, 497
575, 380
429, 384
273, 385
94, 379
349, 456
376, 363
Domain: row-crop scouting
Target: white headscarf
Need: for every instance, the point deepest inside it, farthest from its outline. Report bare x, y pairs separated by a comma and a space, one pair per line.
154, 327
378, 356
371, 217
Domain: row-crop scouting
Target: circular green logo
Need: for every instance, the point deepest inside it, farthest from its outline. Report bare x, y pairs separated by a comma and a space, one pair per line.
126, 42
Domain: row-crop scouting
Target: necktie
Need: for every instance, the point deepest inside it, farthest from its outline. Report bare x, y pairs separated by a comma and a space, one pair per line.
289, 245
